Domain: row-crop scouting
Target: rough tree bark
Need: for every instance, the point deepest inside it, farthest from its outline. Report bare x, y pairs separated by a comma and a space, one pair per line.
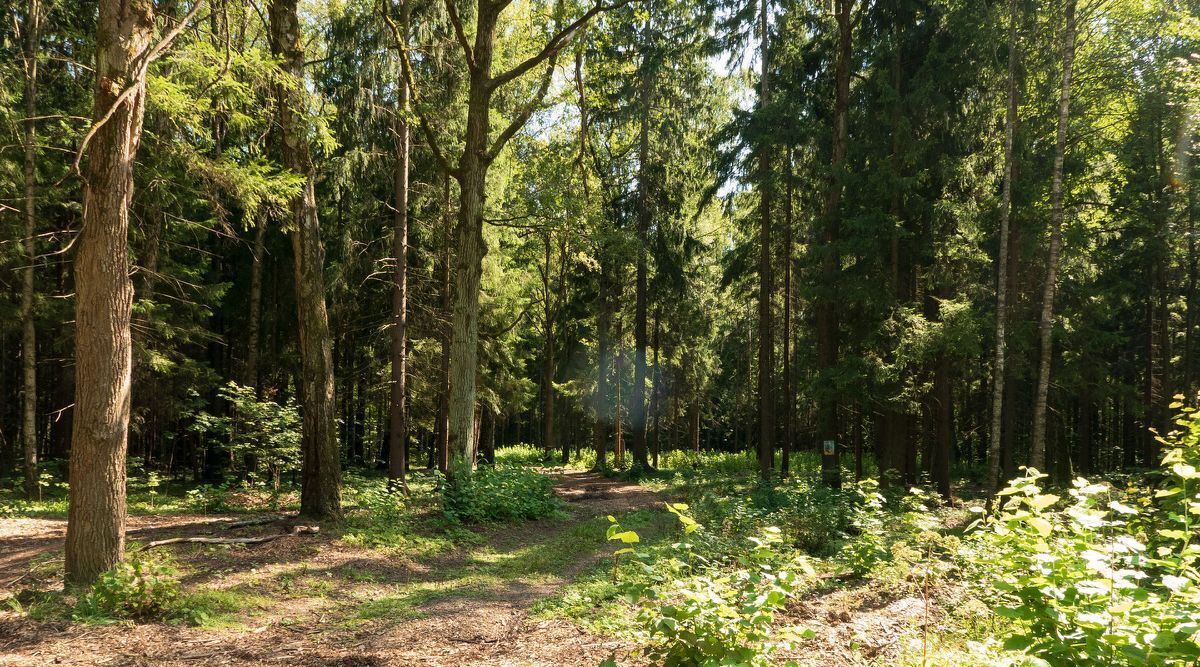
637, 393
442, 428
32, 28
254, 318
789, 396
1037, 446
998, 365
320, 488
547, 351
104, 294
826, 315
766, 333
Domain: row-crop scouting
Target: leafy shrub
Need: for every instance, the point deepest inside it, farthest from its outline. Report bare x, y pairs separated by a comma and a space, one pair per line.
256, 432
498, 495
1104, 577
524, 454
209, 498
694, 613
140, 588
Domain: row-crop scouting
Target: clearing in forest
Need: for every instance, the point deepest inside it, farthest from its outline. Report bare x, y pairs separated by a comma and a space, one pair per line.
324, 600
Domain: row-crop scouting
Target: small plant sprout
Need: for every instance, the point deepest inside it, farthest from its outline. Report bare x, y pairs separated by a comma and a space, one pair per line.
615, 533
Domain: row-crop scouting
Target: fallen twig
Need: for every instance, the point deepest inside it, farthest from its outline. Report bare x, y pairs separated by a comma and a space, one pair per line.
296, 530
257, 521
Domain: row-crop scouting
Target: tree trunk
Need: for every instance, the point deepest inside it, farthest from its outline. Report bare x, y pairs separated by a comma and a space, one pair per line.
999, 372
104, 296
1085, 435
398, 409
29, 442
254, 319
618, 419
487, 438
789, 397
1037, 451
766, 334
547, 352
441, 451
1189, 298
320, 491
827, 316
637, 394
604, 403
897, 420
943, 411
656, 389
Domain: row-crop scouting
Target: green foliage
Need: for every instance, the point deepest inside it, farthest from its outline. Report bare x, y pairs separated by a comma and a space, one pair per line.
141, 588
499, 495
696, 614
1104, 576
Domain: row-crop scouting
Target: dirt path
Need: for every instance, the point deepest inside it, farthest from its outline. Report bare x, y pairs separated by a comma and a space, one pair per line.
324, 602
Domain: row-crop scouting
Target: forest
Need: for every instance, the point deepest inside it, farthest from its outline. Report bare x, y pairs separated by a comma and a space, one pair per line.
599, 332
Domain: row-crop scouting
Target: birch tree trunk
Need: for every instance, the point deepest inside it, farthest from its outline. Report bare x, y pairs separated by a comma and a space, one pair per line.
1037, 447
104, 295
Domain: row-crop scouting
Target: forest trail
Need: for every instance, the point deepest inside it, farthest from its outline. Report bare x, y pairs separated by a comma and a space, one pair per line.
321, 601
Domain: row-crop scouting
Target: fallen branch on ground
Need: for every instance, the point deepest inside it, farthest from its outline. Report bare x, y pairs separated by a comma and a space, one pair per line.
257, 521
296, 530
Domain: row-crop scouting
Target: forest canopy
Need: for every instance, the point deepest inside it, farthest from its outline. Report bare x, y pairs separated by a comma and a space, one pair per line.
821, 290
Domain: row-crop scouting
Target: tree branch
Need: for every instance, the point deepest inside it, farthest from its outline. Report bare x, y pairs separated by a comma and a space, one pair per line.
460, 34
401, 45
137, 80
523, 117
555, 45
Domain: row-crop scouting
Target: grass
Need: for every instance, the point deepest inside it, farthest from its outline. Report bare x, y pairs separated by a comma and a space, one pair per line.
409, 558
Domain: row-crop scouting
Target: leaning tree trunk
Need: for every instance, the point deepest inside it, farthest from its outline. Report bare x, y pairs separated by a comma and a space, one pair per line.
32, 27
826, 316
766, 334
998, 368
398, 427
320, 490
104, 295
1037, 448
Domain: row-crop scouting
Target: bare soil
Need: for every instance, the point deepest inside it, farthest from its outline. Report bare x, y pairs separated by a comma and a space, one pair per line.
309, 583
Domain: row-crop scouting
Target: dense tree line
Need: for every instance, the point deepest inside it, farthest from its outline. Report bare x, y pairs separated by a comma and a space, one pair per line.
944, 236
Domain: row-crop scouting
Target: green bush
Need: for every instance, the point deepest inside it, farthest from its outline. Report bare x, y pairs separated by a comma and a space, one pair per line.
1104, 577
697, 613
140, 588
498, 495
